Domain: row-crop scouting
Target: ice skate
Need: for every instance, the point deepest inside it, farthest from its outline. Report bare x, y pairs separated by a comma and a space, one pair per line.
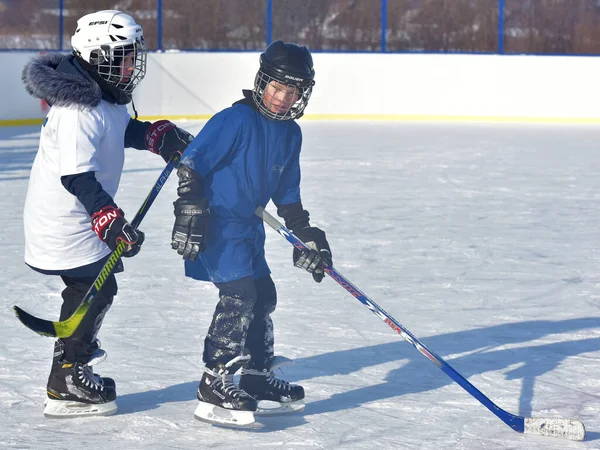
221, 401
75, 391
274, 396
97, 355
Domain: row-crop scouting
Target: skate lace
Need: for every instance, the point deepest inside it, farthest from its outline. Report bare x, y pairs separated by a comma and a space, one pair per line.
89, 379
276, 382
272, 380
224, 378
225, 382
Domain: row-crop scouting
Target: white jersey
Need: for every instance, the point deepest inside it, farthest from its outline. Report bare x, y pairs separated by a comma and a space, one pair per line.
58, 233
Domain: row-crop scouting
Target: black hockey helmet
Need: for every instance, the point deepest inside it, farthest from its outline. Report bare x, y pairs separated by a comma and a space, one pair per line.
289, 64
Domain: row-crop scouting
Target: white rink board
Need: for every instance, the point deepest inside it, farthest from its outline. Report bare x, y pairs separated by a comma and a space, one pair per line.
497, 87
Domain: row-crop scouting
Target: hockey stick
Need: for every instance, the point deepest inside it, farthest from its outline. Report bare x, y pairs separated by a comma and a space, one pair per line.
67, 327
555, 427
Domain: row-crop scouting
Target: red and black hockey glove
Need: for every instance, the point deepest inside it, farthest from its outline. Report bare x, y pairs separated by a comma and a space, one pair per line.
164, 138
110, 225
318, 255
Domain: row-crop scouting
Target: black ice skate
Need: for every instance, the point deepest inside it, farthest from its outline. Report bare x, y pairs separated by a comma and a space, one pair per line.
274, 396
74, 390
96, 356
221, 401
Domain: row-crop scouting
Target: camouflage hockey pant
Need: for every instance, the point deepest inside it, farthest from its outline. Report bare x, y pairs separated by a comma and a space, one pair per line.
242, 322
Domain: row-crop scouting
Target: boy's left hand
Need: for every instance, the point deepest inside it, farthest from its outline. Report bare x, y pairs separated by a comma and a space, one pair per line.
192, 223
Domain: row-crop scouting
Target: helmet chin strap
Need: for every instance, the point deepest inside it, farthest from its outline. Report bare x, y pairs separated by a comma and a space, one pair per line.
134, 110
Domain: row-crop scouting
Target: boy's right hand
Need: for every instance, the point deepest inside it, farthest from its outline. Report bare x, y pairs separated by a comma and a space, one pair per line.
317, 254
192, 220
110, 225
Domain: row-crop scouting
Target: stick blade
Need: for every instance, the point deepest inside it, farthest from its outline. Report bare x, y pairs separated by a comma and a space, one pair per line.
560, 428
40, 326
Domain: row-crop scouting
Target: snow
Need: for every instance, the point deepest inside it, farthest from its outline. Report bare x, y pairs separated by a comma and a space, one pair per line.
481, 239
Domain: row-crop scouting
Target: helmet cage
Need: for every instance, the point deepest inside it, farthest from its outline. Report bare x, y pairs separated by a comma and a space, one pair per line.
265, 106
109, 62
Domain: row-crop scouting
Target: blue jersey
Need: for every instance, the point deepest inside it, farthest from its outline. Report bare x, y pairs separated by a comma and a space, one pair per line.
246, 160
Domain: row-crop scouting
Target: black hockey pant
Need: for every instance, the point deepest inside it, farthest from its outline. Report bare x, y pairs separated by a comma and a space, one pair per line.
242, 322
78, 347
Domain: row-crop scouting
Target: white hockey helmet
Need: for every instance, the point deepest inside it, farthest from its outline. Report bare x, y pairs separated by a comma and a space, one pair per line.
103, 39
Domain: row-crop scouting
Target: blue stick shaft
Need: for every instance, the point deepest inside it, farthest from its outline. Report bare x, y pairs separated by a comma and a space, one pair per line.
517, 423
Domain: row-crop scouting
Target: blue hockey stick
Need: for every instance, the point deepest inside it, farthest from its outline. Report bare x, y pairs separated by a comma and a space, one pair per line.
555, 427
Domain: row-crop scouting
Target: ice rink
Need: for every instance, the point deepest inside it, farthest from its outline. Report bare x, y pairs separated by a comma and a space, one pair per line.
481, 239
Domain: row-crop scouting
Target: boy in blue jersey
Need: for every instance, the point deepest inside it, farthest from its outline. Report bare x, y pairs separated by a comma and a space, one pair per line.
245, 156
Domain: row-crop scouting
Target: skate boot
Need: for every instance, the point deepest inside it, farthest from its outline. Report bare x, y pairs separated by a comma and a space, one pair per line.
221, 401
274, 396
74, 390
96, 356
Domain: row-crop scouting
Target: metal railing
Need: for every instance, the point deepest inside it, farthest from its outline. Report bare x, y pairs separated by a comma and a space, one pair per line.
388, 26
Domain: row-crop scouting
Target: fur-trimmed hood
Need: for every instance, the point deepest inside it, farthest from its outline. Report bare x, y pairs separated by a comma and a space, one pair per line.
67, 85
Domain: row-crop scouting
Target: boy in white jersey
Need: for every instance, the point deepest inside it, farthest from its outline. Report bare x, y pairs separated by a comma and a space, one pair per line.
71, 221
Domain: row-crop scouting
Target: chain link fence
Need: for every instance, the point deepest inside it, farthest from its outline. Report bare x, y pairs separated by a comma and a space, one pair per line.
570, 27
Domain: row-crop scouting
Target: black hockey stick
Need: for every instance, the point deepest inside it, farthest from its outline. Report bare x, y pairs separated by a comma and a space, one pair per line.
67, 327
550, 426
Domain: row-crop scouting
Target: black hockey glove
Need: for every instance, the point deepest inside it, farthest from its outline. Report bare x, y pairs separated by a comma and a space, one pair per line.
192, 215
110, 225
318, 255
164, 138
191, 226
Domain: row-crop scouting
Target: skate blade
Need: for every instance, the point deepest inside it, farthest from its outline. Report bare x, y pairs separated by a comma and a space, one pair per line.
214, 414
269, 408
59, 409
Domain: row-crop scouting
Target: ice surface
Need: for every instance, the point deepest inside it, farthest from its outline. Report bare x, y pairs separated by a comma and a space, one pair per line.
481, 239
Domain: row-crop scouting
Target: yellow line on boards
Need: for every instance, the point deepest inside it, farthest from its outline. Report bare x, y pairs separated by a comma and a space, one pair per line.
366, 117
449, 118
20, 122
411, 118
176, 117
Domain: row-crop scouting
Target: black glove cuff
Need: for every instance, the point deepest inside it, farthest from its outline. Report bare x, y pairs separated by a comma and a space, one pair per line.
294, 215
135, 134
191, 207
313, 234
